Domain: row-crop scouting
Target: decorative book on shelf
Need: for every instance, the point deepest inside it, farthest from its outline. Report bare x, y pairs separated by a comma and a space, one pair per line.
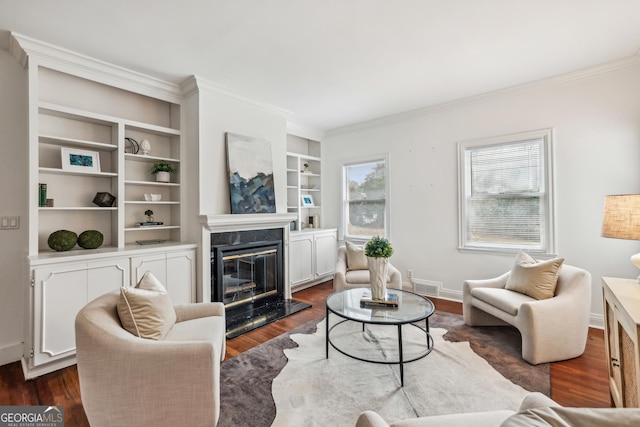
389, 301
149, 223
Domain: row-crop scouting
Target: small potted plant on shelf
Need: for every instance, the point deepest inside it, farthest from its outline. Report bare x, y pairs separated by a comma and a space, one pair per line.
306, 168
149, 214
378, 250
162, 171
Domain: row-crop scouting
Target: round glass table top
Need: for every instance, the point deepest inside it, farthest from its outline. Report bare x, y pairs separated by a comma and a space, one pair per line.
411, 307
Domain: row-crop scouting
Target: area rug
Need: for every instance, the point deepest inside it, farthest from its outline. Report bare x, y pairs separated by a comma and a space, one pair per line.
246, 397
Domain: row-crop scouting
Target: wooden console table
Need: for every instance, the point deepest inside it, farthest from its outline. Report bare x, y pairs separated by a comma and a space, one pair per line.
622, 327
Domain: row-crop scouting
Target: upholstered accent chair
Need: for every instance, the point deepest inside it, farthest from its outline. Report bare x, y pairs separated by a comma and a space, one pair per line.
552, 329
357, 276
126, 380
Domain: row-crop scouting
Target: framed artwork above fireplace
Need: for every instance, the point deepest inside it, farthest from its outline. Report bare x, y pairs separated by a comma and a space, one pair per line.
250, 168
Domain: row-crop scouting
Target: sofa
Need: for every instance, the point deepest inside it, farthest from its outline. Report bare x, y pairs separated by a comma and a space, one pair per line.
348, 277
536, 409
552, 329
126, 380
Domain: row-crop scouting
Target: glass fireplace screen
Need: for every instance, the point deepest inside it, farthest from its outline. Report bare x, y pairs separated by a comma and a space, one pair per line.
248, 276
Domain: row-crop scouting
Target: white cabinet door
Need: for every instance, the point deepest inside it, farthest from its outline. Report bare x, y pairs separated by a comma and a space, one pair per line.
155, 263
181, 276
106, 276
175, 270
326, 249
301, 259
59, 293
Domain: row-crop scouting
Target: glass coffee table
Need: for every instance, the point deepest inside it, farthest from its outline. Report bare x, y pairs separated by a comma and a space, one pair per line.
412, 308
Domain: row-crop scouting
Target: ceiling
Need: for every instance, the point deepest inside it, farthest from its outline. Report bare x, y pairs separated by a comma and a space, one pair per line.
332, 63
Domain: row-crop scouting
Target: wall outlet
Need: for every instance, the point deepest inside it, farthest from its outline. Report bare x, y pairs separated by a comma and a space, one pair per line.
410, 274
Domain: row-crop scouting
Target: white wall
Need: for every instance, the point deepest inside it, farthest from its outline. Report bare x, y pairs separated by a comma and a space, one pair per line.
212, 112
220, 113
596, 120
13, 202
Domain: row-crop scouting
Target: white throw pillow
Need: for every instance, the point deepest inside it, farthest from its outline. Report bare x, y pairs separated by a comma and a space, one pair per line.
535, 279
356, 259
146, 310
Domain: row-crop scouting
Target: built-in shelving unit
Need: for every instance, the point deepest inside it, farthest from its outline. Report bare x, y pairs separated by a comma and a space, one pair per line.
303, 181
61, 123
81, 114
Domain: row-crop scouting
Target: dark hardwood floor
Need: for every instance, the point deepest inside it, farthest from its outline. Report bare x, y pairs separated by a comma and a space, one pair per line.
580, 382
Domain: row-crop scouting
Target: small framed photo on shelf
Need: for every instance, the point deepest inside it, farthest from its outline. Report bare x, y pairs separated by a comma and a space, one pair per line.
306, 200
80, 160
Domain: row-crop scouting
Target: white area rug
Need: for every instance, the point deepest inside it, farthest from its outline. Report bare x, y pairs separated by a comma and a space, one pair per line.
314, 391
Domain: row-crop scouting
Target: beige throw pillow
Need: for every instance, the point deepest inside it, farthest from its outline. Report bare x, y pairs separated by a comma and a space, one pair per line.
535, 279
356, 259
146, 310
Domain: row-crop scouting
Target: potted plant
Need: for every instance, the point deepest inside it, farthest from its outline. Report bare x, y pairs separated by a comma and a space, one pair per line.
306, 168
378, 250
162, 171
149, 214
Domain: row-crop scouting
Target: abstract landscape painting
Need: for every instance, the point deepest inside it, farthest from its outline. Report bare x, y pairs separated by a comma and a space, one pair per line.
250, 175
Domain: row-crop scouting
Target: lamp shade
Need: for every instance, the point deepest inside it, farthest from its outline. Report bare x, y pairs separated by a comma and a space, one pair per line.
621, 216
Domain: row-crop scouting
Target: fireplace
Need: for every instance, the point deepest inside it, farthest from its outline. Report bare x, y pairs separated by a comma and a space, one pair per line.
248, 277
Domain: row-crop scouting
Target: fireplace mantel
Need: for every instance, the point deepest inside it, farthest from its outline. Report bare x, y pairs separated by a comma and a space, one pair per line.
241, 222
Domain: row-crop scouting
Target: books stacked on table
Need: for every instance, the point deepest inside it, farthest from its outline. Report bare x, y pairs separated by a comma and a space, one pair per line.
149, 223
390, 301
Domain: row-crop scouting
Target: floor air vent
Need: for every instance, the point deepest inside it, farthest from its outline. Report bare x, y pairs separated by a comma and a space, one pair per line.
427, 287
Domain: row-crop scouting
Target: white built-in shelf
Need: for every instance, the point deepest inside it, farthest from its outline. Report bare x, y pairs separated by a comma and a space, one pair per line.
77, 208
66, 172
304, 156
88, 116
151, 202
75, 114
309, 174
160, 184
153, 227
149, 159
77, 143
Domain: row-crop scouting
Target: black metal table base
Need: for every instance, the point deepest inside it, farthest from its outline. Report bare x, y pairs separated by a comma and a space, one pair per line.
401, 361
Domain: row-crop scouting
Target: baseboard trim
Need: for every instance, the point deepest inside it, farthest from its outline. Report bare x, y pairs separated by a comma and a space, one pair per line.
10, 353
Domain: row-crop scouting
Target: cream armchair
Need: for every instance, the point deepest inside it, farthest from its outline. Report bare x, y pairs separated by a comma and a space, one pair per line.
552, 329
349, 279
130, 381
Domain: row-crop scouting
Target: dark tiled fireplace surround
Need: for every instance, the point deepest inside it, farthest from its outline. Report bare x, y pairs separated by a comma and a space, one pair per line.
248, 273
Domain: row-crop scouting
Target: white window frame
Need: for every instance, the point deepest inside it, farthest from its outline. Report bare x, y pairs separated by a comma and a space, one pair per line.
547, 231
343, 191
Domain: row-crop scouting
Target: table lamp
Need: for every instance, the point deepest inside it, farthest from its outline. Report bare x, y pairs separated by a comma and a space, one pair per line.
621, 219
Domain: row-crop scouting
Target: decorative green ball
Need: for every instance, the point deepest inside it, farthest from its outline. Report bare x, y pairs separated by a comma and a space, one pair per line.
62, 240
90, 239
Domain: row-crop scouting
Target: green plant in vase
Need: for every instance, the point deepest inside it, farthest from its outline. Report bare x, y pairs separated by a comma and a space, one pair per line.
378, 250
162, 171
149, 214
378, 247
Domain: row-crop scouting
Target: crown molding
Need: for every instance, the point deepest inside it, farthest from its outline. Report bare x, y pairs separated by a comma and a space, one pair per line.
304, 131
585, 73
25, 49
195, 83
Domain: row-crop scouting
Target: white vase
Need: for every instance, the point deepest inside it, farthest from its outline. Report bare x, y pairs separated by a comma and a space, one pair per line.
163, 176
378, 268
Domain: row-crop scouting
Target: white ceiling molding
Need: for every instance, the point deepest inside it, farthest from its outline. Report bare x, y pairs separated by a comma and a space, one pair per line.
591, 72
204, 84
304, 131
57, 58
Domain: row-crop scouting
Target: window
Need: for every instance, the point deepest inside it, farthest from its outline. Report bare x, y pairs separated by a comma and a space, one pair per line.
365, 196
505, 193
